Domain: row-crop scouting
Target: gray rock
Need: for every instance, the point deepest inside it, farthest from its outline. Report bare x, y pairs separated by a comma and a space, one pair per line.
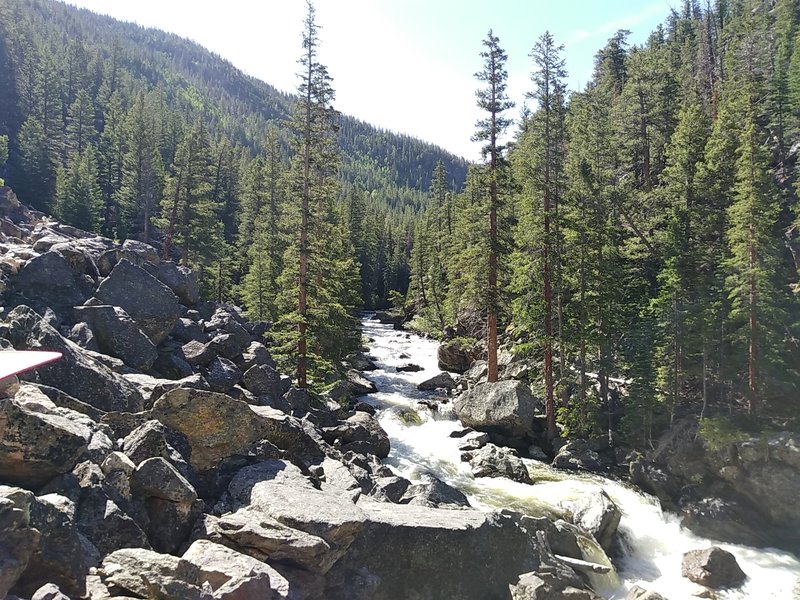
118, 335
82, 335
578, 455
408, 368
442, 380
278, 490
263, 380
218, 426
473, 441
360, 362
48, 280
256, 354
258, 535
407, 551
222, 375
225, 320
197, 353
231, 575
148, 301
507, 407
456, 356
596, 514
172, 365
359, 385
181, 281
361, 433
226, 345
494, 461
64, 556
434, 493
713, 567
550, 583
156, 478
20, 538
36, 446
139, 253
186, 330
148, 574
77, 373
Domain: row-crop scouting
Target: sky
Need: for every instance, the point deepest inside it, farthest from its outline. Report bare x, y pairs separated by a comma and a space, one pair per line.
404, 65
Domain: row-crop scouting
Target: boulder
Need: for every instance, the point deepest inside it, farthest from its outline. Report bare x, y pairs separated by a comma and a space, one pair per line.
360, 362
77, 373
181, 281
507, 407
217, 426
456, 356
197, 353
185, 330
579, 455
477, 371
359, 385
48, 280
361, 433
222, 375
20, 539
147, 574
442, 380
408, 368
278, 490
148, 301
266, 539
139, 253
473, 441
63, 556
727, 520
495, 461
256, 354
227, 320
550, 583
596, 514
713, 567
226, 345
156, 478
117, 335
152, 438
263, 380
82, 335
434, 493
36, 446
408, 551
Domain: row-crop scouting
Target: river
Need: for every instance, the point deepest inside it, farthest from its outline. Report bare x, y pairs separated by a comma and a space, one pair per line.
654, 540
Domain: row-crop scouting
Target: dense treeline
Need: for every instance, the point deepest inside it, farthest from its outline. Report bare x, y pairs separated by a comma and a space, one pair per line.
102, 116
641, 229
136, 133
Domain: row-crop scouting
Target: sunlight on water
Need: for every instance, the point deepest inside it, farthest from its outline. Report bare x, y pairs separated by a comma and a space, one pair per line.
655, 542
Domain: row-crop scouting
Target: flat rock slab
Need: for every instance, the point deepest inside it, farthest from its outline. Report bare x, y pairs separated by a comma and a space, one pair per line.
407, 551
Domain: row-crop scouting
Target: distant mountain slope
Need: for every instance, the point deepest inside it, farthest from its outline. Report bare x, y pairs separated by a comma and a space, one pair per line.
193, 79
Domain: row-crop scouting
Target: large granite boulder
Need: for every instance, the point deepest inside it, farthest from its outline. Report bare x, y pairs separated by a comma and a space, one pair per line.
441, 381
456, 355
218, 426
505, 407
181, 281
150, 303
278, 490
257, 534
596, 514
36, 446
19, 540
118, 335
48, 280
361, 433
713, 567
407, 551
496, 461
77, 373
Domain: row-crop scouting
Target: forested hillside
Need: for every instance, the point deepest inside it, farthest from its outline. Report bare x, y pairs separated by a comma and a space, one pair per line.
641, 229
96, 112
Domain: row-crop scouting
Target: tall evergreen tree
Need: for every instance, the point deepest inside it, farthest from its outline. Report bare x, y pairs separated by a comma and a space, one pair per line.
79, 200
540, 159
493, 100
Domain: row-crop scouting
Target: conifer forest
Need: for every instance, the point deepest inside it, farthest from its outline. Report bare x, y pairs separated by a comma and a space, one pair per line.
637, 240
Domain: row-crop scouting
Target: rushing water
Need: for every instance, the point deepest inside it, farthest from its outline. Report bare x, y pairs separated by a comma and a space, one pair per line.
655, 540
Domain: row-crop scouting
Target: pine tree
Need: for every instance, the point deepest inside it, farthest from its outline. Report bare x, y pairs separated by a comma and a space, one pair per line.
111, 156
493, 100
142, 173
315, 324
35, 181
3, 156
540, 157
79, 201
80, 131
